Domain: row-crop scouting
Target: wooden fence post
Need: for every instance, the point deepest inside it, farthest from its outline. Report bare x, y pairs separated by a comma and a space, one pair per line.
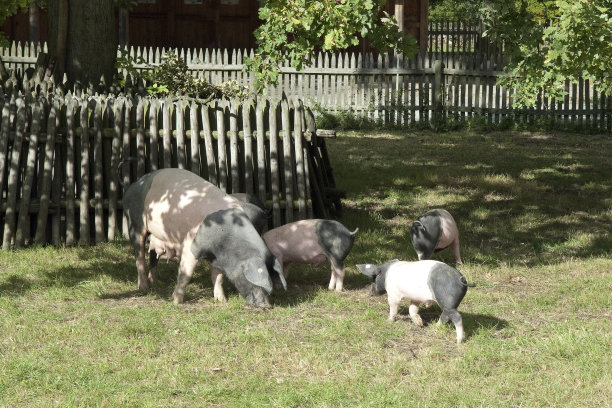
113, 182
274, 167
98, 173
438, 92
248, 146
261, 147
70, 173
195, 139
84, 201
288, 173
23, 225
45, 195
13, 180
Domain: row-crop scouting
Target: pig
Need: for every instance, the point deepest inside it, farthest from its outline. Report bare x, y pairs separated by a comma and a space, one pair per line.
421, 282
254, 209
311, 242
434, 231
196, 220
157, 248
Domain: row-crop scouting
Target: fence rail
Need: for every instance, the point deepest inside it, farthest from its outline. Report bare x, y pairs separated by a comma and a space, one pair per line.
389, 88
58, 157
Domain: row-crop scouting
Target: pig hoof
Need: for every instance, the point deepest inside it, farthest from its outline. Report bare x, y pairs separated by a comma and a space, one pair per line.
418, 321
460, 339
221, 298
177, 299
143, 287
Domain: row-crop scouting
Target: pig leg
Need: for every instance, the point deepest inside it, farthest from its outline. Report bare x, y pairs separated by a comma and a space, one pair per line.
413, 310
455, 317
393, 308
186, 267
153, 259
332, 281
424, 255
143, 283
455, 246
217, 279
337, 277
458, 322
444, 318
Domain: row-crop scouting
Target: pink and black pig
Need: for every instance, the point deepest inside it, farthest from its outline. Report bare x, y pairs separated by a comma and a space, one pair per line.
434, 231
254, 209
421, 282
311, 242
196, 220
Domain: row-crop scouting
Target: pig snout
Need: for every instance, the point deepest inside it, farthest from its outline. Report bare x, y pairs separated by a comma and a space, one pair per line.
258, 297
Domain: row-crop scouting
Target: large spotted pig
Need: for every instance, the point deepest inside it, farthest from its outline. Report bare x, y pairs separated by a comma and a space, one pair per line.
421, 282
434, 231
254, 209
192, 216
311, 242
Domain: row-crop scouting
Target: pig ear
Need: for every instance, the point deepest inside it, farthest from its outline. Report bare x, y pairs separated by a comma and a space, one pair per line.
256, 274
368, 269
277, 274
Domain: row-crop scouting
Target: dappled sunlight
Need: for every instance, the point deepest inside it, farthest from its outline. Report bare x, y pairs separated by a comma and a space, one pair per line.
490, 197
514, 196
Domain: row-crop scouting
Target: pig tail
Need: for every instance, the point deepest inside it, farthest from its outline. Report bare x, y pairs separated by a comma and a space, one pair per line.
120, 166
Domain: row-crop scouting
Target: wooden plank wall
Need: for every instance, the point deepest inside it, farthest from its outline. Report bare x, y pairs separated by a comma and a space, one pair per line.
60, 187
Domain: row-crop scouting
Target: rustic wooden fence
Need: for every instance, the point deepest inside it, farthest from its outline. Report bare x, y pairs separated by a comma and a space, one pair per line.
460, 44
392, 89
58, 157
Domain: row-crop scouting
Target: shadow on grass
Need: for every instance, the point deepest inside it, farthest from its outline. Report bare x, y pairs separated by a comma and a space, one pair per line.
15, 286
472, 322
531, 199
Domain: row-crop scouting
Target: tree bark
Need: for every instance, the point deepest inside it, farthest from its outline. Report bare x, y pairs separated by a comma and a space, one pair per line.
83, 39
34, 18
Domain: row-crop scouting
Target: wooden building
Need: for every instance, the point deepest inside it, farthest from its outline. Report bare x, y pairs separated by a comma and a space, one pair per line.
200, 23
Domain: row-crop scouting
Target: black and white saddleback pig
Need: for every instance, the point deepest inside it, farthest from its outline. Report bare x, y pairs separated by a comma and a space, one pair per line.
187, 214
421, 282
434, 231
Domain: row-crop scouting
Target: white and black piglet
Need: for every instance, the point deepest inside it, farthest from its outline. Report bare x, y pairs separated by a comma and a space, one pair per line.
421, 282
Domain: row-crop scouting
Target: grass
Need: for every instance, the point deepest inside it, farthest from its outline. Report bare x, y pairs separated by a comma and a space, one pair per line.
535, 215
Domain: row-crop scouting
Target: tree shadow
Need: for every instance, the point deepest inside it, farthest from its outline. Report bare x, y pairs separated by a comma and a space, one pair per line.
15, 286
516, 197
472, 322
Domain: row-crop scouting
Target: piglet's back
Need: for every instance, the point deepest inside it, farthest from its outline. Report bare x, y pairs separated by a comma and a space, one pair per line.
409, 280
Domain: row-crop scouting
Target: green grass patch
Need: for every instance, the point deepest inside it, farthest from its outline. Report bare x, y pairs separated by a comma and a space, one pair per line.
535, 215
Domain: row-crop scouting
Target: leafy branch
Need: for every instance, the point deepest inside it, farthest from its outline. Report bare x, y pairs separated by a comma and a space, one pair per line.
293, 30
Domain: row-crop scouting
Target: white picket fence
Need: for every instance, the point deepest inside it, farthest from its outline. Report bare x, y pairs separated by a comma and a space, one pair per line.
385, 88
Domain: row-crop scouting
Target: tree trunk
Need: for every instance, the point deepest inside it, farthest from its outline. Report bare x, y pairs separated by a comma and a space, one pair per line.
34, 18
82, 39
